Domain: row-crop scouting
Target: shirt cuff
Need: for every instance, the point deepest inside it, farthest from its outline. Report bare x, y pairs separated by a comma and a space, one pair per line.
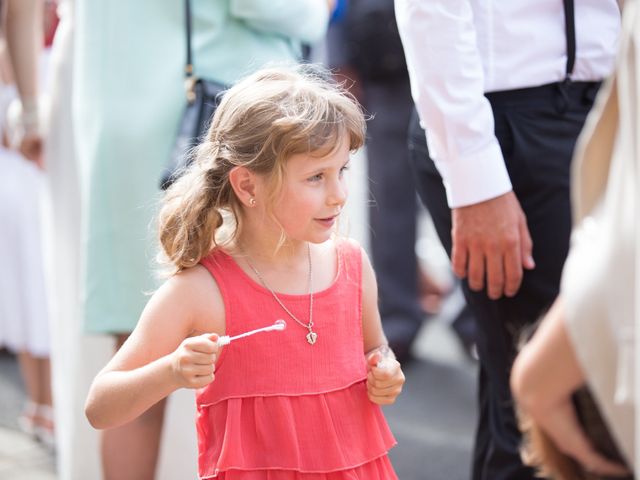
476, 178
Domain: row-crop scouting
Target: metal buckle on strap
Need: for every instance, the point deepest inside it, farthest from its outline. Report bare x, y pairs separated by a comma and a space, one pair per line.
190, 88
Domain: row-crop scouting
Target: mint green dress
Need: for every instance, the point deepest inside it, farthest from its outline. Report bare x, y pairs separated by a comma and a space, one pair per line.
128, 100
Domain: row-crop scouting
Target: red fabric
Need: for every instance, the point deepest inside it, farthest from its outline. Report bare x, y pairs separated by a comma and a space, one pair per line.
51, 21
280, 408
378, 469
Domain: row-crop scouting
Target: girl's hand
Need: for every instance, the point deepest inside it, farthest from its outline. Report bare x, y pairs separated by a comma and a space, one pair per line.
193, 362
385, 377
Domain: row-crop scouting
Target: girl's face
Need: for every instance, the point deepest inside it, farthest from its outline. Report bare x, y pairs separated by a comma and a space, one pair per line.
314, 190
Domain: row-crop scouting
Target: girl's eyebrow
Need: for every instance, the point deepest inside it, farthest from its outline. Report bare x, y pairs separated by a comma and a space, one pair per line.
322, 168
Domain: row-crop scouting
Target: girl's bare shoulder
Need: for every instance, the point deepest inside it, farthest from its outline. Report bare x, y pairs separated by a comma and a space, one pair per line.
195, 293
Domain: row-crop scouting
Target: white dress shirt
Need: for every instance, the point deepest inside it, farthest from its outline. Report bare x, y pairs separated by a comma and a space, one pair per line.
459, 49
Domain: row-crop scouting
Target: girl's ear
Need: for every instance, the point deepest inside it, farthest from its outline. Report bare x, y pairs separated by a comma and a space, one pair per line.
243, 181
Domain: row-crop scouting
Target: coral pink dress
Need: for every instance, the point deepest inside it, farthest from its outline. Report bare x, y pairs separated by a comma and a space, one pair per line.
280, 408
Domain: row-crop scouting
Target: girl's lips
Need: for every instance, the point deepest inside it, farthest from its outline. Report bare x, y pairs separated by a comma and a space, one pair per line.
328, 221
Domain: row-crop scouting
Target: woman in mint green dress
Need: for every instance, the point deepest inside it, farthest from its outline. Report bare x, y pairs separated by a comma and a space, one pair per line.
128, 99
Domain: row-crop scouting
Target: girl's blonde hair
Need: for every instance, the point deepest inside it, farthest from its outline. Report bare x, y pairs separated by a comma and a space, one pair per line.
260, 123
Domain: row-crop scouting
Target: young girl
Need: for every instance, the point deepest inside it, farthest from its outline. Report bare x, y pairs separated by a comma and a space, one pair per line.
249, 233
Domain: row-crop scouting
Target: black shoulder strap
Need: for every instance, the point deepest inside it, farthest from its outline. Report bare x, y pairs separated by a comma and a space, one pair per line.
570, 31
188, 68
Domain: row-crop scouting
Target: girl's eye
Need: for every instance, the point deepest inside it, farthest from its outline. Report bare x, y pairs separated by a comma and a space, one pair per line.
316, 178
344, 169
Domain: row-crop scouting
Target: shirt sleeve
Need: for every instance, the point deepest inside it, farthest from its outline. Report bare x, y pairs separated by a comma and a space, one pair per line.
303, 20
447, 85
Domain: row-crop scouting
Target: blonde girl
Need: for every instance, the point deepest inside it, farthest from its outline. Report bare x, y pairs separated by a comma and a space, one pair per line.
249, 233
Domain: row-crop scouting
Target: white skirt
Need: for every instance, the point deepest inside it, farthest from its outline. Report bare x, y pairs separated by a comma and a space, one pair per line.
23, 304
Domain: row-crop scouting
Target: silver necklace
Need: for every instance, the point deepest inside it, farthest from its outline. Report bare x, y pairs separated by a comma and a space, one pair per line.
312, 336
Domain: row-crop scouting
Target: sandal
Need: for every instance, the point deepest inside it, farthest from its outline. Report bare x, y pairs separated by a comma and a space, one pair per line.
27, 419
44, 426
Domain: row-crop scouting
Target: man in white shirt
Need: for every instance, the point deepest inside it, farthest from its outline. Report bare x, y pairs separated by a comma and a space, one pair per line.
503, 88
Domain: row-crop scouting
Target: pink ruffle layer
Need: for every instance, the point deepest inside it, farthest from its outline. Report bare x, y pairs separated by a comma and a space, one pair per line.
323, 434
378, 469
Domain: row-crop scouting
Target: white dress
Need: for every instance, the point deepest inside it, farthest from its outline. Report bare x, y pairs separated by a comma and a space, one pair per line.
600, 287
23, 307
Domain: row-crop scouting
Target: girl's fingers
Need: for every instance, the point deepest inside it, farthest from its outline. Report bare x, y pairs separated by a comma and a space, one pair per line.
382, 399
199, 358
383, 388
202, 344
202, 380
385, 378
198, 370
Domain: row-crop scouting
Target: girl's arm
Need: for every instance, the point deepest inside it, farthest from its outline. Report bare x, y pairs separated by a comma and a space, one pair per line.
544, 376
166, 351
384, 383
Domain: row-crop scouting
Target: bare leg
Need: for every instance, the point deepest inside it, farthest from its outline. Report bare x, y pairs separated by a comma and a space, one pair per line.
29, 369
28, 419
37, 416
44, 379
130, 452
44, 420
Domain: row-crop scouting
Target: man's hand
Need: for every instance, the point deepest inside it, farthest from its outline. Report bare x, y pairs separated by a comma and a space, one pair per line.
491, 238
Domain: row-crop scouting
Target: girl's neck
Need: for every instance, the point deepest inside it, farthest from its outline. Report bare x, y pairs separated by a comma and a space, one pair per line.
263, 251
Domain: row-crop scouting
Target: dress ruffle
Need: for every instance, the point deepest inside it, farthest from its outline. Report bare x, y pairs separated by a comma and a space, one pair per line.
378, 469
322, 434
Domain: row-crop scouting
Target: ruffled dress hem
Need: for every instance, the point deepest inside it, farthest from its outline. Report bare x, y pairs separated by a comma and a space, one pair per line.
351, 430
377, 468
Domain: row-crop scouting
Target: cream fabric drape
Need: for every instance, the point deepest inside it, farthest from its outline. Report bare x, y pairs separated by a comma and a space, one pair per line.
600, 285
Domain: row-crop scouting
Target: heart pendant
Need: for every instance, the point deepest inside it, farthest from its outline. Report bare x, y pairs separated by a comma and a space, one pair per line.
312, 337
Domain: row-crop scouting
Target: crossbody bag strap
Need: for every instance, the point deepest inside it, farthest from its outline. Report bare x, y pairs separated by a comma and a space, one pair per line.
189, 78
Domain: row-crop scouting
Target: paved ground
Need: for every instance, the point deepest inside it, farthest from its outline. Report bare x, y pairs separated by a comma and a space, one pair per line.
433, 419
21, 458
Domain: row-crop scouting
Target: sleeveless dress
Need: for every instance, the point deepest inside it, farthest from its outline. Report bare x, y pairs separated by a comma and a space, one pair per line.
280, 408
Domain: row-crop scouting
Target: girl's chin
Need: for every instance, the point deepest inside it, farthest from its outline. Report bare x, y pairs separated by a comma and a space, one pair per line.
321, 237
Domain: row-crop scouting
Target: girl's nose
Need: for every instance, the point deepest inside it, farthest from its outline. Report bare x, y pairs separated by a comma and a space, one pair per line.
338, 194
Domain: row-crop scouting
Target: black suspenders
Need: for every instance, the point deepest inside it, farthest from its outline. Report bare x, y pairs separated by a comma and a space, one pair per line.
570, 31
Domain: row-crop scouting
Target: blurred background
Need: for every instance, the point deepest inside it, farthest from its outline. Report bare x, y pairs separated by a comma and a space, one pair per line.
49, 185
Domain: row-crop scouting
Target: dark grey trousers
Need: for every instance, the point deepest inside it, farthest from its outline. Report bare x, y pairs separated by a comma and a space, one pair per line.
393, 210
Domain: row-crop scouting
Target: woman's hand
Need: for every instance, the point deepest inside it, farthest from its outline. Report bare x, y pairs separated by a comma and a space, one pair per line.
193, 362
385, 377
31, 148
561, 424
544, 376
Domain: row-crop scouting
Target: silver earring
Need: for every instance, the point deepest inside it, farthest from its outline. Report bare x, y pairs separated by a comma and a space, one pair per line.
252, 202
